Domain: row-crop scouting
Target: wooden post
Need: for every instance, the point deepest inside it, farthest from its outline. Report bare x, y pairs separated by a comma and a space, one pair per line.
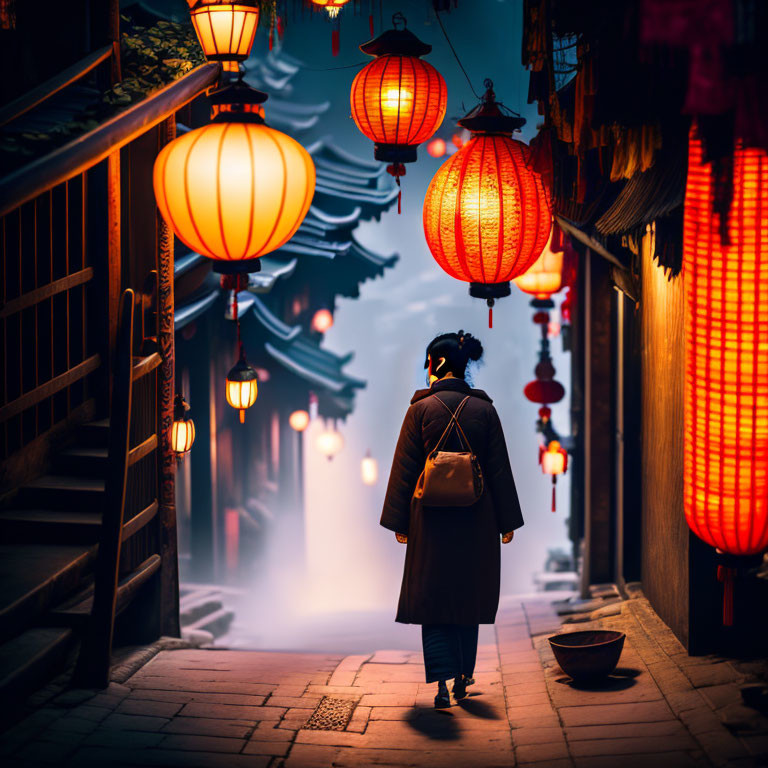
598, 437
93, 663
114, 253
166, 386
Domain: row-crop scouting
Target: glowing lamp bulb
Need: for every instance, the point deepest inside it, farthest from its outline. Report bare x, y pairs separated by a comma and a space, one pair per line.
299, 420
322, 320
369, 469
329, 443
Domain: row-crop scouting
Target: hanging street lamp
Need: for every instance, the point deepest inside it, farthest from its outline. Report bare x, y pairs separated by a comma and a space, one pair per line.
183, 428
225, 30
369, 469
486, 212
242, 386
398, 101
554, 461
545, 276
329, 443
725, 453
299, 420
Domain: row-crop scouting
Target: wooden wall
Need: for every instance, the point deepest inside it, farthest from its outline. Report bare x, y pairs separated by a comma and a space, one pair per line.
665, 537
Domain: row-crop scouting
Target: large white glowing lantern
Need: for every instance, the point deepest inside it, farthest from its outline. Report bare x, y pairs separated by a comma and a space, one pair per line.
329, 443
369, 470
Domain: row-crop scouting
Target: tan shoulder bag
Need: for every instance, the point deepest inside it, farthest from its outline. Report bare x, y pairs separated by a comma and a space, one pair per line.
450, 478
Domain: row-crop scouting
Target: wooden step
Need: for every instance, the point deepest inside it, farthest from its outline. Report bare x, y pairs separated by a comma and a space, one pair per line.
75, 611
63, 492
36, 577
28, 661
94, 434
82, 460
192, 612
49, 526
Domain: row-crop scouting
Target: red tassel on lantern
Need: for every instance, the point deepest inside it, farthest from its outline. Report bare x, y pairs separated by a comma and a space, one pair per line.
397, 170
727, 576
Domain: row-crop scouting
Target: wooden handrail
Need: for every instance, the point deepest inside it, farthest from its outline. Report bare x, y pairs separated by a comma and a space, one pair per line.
142, 449
137, 522
44, 292
51, 387
86, 151
145, 365
37, 96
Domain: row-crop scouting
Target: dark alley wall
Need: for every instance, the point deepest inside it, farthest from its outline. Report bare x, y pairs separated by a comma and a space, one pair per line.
664, 530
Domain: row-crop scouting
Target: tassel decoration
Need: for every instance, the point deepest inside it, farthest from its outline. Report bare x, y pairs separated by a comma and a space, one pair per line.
727, 576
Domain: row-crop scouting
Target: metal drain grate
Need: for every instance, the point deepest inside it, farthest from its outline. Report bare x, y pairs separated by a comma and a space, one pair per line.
331, 714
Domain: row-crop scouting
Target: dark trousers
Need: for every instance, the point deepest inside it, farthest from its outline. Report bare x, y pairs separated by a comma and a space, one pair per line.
450, 650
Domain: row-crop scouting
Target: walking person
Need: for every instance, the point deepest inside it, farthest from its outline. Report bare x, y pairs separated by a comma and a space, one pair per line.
451, 497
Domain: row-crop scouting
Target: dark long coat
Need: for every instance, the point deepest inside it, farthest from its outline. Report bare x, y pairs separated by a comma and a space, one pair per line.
452, 560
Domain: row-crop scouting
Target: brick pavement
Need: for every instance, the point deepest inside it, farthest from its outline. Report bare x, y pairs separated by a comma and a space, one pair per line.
213, 708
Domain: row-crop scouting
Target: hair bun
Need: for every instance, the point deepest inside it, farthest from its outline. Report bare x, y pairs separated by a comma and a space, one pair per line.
472, 346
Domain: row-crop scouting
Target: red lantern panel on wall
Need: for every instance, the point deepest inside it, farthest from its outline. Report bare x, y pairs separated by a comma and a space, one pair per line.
726, 351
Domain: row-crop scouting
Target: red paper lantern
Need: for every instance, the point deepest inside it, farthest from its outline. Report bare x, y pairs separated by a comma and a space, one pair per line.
398, 101
486, 212
726, 349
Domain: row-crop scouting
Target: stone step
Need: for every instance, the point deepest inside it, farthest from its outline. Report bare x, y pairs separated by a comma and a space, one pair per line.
217, 623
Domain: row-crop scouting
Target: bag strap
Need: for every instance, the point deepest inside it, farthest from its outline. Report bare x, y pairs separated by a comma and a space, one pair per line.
454, 421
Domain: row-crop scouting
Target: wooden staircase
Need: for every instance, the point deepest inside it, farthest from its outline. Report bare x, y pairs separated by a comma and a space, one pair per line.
61, 537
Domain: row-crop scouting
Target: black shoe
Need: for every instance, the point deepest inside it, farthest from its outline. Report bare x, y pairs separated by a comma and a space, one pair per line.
460, 687
443, 698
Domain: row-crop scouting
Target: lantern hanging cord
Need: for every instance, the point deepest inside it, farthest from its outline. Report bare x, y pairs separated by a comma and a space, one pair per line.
456, 55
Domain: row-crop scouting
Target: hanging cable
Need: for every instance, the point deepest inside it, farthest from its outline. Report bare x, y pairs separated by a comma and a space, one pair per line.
456, 55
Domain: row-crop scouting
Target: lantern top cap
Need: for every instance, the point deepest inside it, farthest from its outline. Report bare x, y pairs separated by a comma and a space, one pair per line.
180, 407
242, 371
397, 41
240, 98
491, 116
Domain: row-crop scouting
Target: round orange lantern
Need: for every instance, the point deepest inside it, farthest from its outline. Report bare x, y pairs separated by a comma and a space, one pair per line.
299, 420
182, 429
726, 349
437, 148
225, 30
554, 462
236, 189
398, 101
486, 212
322, 321
545, 277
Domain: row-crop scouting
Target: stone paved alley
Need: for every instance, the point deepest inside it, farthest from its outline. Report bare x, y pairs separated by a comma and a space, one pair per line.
210, 708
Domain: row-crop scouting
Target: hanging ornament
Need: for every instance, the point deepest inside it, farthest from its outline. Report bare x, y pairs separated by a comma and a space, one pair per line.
554, 462
369, 469
332, 8
725, 453
242, 386
329, 443
236, 189
299, 420
183, 428
437, 148
225, 30
398, 101
486, 212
